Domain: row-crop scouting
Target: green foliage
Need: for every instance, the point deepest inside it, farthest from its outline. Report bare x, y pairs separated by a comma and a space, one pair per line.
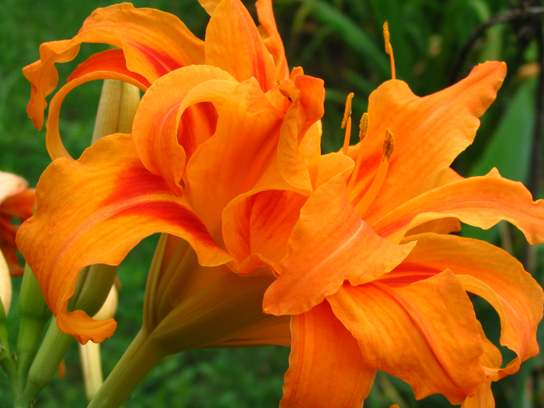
340, 41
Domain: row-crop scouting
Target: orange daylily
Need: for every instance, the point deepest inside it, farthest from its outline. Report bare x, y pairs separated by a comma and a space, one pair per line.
152, 43
368, 272
16, 201
170, 177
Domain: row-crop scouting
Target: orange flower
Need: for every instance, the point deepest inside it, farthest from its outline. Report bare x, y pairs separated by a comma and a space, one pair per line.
152, 43
16, 200
171, 175
369, 274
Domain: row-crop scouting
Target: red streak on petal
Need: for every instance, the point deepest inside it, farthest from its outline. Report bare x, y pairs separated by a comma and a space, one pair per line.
163, 63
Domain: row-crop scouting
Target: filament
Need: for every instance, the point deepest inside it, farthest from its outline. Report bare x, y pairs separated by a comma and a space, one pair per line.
377, 183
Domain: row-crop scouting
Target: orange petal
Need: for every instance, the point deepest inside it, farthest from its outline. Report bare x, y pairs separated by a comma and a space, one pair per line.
105, 65
95, 210
240, 157
163, 140
326, 368
478, 201
429, 134
272, 39
234, 44
154, 43
425, 333
329, 244
493, 274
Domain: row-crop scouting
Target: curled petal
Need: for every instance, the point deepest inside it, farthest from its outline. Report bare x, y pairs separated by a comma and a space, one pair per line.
234, 44
105, 65
478, 201
153, 42
326, 368
429, 134
171, 122
425, 333
95, 210
329, 245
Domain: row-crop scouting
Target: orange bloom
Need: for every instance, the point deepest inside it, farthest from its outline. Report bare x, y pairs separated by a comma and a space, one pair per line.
16, 201
152, 43
170, 175
369, 274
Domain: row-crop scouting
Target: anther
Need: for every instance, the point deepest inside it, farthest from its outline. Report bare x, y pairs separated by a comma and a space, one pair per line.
389, 48
346, 123
379, 179
363, 125
388, 145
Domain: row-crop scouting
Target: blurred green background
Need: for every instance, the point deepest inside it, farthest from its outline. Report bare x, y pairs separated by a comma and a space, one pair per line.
341, 42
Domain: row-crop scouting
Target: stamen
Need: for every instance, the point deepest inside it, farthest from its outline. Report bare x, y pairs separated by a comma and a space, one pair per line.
346, 123
363, 125
377, 183
389, 49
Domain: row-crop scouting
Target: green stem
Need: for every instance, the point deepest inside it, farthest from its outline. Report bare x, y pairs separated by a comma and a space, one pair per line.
33, 314
139, 358
52, 351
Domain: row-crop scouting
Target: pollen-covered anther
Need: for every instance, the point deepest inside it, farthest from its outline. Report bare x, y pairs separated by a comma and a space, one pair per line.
363, 126
346, 123
379, 179
388, 146
347, 110
389, 48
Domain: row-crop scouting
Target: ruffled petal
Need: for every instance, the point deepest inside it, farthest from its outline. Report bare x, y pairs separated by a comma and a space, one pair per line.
233, 43
326, 368
329, 245
95, 210
240, 157
425, 333
307, 96
478, 201
153, 42
429, 133
493, 274
176, 115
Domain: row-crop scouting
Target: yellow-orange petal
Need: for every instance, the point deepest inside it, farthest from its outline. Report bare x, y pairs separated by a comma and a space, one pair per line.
233, 43
429, 134
94, 210
176, 115
272, 39
329, 245
240, 157
153, 42
425, 333
478, 201
326, 368
493, 274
